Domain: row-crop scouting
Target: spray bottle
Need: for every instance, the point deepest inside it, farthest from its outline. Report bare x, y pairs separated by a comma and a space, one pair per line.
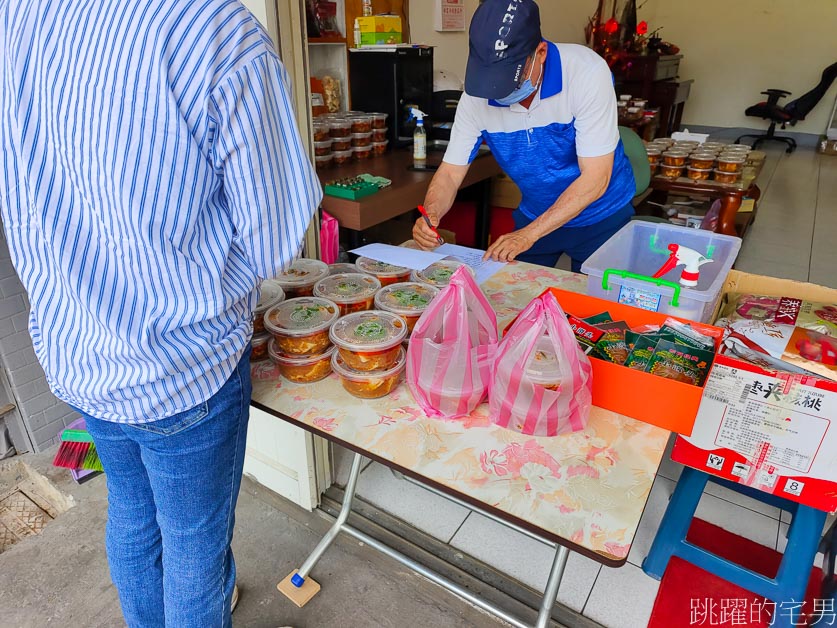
419, 135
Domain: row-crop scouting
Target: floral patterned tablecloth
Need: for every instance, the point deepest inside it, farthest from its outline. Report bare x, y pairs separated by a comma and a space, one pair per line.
588, 488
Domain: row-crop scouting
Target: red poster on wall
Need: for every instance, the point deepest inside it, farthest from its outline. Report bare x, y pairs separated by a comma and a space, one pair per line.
450, 15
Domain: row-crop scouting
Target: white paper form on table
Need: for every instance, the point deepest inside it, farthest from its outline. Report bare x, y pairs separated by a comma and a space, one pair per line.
413, 259
483, 269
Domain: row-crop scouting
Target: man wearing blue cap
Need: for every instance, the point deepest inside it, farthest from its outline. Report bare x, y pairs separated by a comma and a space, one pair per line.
548, 113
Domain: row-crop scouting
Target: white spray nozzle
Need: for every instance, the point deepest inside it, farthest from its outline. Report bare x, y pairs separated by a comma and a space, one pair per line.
417, 115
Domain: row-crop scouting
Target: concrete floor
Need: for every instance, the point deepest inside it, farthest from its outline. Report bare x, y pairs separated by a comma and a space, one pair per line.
60, 578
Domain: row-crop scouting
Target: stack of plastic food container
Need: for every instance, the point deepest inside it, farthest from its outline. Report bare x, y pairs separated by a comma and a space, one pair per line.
723, 163
408, 300
301, 346
271, 295
300, 278
352, 292
369, 358
386, 273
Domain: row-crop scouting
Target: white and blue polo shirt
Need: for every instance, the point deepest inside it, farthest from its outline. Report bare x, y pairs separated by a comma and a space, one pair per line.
573, 115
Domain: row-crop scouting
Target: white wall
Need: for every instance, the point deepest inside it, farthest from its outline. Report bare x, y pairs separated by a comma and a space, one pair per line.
733, 49
259, 10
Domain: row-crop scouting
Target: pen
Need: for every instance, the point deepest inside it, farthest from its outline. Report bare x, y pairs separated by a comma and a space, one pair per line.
423, 212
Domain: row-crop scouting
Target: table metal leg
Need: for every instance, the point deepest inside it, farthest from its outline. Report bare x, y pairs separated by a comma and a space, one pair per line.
552, 584
482, 222
328, 539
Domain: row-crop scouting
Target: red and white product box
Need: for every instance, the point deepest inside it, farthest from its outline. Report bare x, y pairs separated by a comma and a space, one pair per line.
771, 431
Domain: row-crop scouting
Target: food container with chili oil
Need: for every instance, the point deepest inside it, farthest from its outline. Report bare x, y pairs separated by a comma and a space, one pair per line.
323, 148
408, 300
302, 369
351, 292
342, 157
726, 177
702, 160
369, 341
321, 131
438, 274
671, 172
386, 273
299, 279
271, 294
675, 158
731, 163
259, 344
379, 120
379, 148
380, 135
362, 152
369, 384
301, 326
361, 123
341, 144
698, 174
340, 127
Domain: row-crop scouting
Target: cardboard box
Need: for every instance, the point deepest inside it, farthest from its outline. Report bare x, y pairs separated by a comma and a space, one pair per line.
649, 398
380, 24
826, 146
765, 429
504, 192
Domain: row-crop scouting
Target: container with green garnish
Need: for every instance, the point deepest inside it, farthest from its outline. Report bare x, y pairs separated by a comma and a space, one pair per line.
408, 300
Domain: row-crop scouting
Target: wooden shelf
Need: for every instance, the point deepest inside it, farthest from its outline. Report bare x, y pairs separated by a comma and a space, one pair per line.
327, 40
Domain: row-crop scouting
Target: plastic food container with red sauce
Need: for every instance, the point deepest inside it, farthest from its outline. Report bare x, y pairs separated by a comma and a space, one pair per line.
380, 135
361, 139
362, 152
301, 326
341, 143
698, 174
702, 160
671, 172
361, 123
543, 367
408, 300
321, 131
369, 341
675, 158
370, 384
438, 274
653, 155
351, 292
322, 148
379, 120
386, 273
271, 294
259, 344
301, 369
379, 148
340, 127
731, 163
726, 177
323, 161
299, 279
341, 157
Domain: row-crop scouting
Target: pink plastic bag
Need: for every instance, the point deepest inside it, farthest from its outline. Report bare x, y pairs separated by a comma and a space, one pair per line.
329, 239
520, 403
451, 349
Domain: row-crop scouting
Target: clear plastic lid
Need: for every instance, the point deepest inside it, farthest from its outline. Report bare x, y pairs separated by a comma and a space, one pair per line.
303, 272
379, 116
301, 317
731, 159
543, 366
438, 273
260, 340
324, 143
368, 332
340, 367
271, 294
405, 299
296, 360
340, 123
380, 269
656, 151
361, 136
676, 152
347, 288
361, 149
342, 268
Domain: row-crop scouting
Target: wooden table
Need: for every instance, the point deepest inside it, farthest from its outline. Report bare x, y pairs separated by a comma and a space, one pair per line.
583, 492
406, 192
730, 194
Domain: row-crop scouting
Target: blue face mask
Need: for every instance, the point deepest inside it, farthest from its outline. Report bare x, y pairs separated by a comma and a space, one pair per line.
521, 93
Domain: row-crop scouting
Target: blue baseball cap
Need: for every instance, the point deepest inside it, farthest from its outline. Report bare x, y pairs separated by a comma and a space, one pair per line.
502, 36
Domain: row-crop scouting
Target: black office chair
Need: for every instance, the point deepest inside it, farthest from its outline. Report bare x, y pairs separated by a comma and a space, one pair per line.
770, 110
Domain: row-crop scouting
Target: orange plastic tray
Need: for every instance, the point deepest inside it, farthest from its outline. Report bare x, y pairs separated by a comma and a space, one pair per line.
649, 398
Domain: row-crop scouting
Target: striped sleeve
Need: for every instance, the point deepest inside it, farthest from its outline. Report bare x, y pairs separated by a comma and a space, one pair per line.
269, 183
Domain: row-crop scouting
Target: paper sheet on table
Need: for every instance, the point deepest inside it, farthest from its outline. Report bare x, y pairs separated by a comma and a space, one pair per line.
399, 255
483, 269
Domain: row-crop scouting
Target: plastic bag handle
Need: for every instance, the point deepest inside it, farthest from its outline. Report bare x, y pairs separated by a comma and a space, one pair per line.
675, 298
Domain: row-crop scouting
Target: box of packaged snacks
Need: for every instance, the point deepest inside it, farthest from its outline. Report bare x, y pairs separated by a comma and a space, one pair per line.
646, 365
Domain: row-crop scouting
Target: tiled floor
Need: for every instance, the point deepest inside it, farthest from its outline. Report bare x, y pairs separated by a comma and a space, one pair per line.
793, 237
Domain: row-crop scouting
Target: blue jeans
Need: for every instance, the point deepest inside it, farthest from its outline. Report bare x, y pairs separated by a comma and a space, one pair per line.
577, 242
172, 490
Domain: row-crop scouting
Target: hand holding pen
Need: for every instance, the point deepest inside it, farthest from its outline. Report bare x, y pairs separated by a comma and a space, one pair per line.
417, 234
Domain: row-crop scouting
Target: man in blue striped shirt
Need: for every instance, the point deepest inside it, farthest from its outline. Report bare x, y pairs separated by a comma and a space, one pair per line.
151, 175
